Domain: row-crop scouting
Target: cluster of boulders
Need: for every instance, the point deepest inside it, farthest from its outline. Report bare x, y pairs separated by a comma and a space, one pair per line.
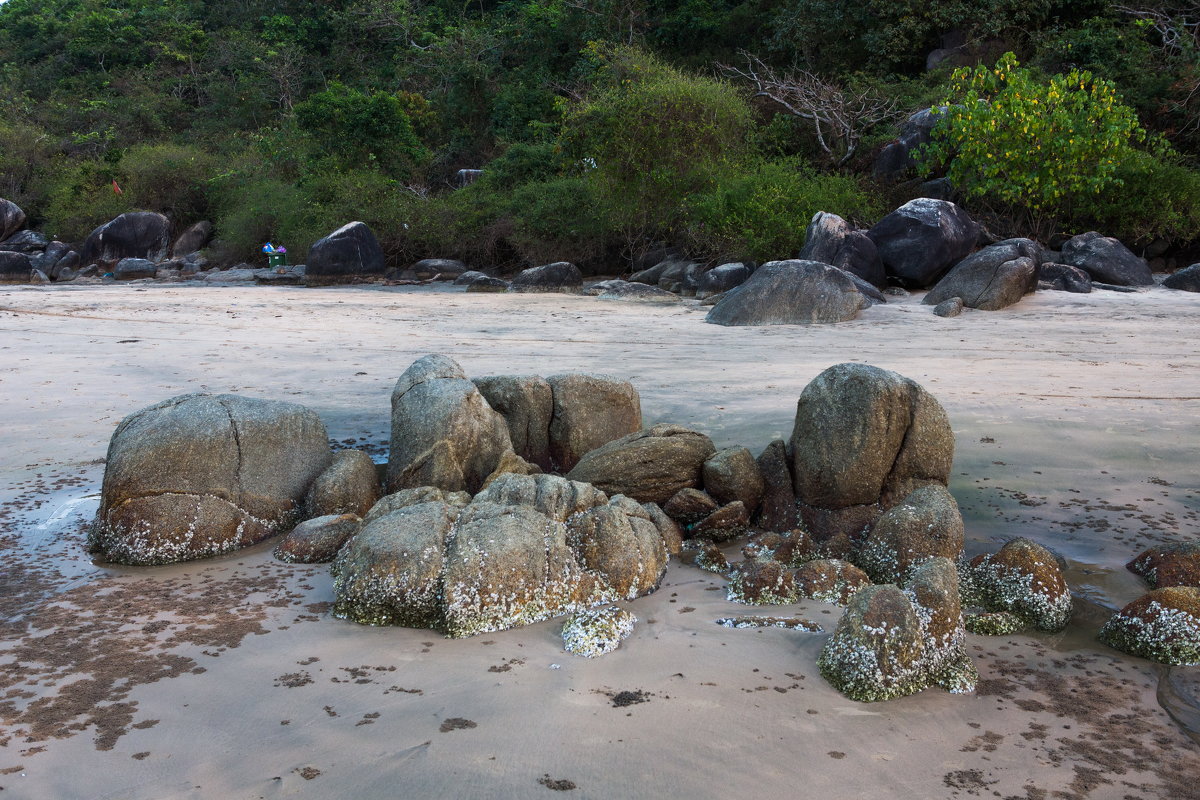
1164, 624
508, 500
134, 245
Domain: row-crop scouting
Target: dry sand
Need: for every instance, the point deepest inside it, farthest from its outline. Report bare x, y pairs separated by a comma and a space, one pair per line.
1077, 424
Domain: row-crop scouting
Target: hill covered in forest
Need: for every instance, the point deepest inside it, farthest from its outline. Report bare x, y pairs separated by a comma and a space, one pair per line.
601, 126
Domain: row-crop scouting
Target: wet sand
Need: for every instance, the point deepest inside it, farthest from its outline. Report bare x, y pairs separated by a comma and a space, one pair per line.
1077, 420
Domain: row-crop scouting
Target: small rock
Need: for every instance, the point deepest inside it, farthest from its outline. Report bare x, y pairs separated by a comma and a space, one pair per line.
597, 631
949, 308
317, 540
1162, 626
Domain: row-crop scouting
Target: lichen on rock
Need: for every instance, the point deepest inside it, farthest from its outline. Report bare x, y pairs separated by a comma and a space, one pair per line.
761, 582
597, 631
1169, 565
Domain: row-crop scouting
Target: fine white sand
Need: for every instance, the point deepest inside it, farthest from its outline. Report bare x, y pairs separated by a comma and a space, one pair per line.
1078, 424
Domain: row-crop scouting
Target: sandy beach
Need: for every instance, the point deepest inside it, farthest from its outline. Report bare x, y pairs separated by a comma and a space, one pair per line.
1077, 422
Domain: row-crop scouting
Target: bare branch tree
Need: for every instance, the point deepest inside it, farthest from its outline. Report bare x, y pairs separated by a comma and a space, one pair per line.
1178, 29
839, 117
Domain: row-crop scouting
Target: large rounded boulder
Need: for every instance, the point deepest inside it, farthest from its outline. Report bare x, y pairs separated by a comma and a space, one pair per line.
1106, 260
922, 239
527, 404
992, 278
350, 252
561, 276
15, 267
866, 437
444, 433
135, 234
790, 293
830, 240
12, 218
1185, 280
200, 475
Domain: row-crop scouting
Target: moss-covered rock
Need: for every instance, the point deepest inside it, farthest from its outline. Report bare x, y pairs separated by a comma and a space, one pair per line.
1169, 565
1025, 579
1163, 626
830, 580
597, 631
761, 582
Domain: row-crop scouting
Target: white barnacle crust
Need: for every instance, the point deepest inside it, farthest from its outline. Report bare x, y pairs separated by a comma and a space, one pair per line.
1161, 633
1002, 587
597, 631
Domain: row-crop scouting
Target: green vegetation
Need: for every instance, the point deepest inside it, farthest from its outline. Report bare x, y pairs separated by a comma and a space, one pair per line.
603, 126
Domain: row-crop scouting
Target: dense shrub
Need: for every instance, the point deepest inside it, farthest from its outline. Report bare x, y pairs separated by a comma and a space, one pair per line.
1020, 141
359, 129
762, 214
649, 136
1159, 197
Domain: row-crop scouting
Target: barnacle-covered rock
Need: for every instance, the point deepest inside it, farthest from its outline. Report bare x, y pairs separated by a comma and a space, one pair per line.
390, 573
761, 582
201, 475
597, 631
1163, 626
830, 580
527, 548
793, 548
1023, 578
994, 623
893, 642
727, 522
708, 556
317, 540
925, 524
411, 497
1169, 565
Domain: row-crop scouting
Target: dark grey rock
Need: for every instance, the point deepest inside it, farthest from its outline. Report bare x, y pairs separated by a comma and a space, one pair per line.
201, 475
350, 252
15, 267
68, 264
130, 269
922, 239
1186, 279
467, 277
12, 218
790, 293
992, 278
447, 268
135, 234
1064, 278
487, 284
651, 275
950, 307
561, 276
722, 278
898, 158
830, 240
636, 292
28, 242
192, 239
1106, 260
